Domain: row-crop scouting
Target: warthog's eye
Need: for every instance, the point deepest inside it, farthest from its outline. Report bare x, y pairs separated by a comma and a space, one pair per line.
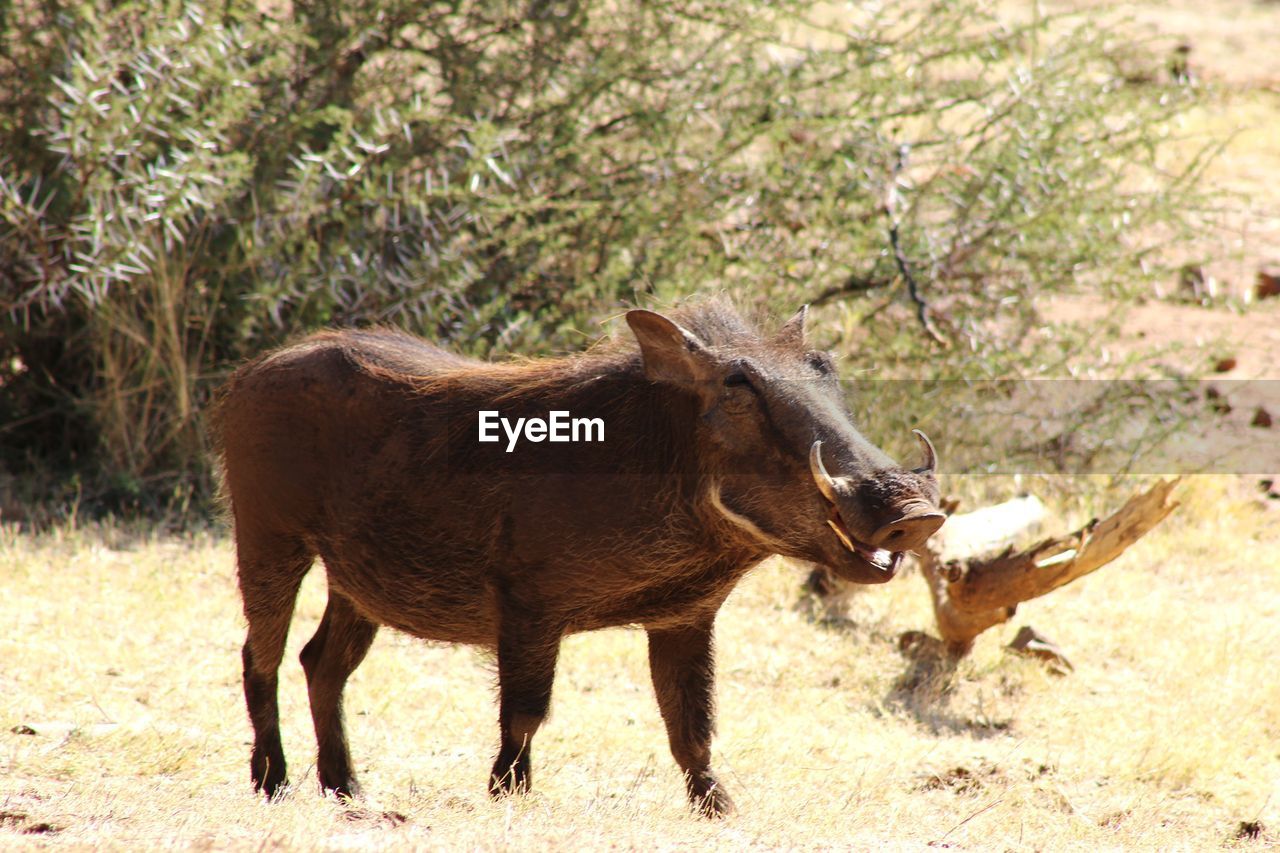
738, 379
821, 362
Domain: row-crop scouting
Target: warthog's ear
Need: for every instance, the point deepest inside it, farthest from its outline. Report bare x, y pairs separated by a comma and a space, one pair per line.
791, 335
671, 353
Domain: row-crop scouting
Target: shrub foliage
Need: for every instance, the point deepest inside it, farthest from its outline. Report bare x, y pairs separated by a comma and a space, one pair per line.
185, 183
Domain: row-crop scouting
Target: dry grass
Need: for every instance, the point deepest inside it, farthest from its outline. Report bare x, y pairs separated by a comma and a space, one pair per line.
121, 653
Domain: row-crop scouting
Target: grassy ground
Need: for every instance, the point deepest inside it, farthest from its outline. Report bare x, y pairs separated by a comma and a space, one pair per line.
122, 723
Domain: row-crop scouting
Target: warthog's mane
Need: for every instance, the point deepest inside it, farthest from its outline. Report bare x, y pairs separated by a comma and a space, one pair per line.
400, 357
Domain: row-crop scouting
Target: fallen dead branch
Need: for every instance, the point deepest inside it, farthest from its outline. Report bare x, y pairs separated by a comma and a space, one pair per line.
972, 592
976, 580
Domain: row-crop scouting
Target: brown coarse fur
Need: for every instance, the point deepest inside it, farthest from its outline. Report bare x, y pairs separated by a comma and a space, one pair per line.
360, 447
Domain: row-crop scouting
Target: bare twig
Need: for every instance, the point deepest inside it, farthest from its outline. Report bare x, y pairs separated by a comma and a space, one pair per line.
899, 257
988, 807
853, 284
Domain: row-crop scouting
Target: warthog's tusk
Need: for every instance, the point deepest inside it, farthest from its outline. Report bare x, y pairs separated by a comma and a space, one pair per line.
826, 484
844, 538
930, 455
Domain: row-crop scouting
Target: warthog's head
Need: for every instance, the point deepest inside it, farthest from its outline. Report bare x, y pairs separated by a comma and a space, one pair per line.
778, 455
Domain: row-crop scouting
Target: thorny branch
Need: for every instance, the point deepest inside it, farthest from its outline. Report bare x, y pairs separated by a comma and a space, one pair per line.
913, 289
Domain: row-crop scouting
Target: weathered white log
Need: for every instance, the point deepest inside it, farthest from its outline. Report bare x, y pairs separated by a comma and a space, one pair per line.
968, 534
972, 593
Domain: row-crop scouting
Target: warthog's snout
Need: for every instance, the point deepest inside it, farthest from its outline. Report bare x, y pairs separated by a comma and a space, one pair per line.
908, 533
883, 545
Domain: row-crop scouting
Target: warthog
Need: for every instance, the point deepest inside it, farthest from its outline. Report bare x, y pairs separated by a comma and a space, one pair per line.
721, 447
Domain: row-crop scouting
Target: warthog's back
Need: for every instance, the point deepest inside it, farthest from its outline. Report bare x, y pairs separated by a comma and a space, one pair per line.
330, 443
301, 426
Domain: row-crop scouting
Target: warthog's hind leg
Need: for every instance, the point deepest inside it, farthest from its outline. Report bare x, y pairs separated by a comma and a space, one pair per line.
269, 581
682, 665
527, 655
329, 658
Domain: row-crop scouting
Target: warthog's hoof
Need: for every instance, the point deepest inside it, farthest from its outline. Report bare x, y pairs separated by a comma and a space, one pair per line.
268, 778
272, 790
346, 791
510, 778
709, 798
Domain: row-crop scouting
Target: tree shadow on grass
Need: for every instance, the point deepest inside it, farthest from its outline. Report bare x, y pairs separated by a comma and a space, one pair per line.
927, 689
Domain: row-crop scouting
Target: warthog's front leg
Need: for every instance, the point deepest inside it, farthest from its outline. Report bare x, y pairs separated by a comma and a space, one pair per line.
682, 664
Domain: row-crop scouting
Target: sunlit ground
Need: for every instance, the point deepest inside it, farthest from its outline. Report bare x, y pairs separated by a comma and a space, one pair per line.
122, 722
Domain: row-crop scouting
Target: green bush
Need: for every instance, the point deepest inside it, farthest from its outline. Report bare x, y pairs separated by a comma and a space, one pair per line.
186, 183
